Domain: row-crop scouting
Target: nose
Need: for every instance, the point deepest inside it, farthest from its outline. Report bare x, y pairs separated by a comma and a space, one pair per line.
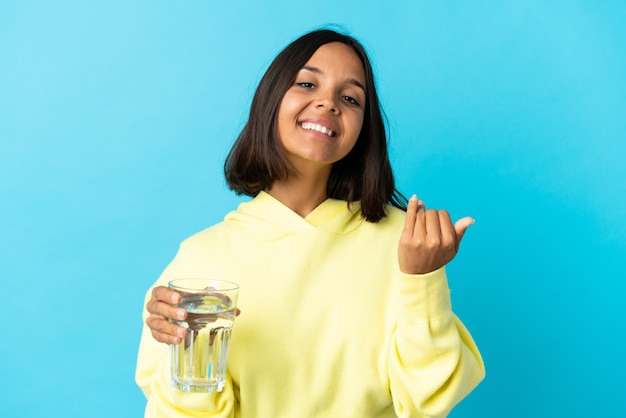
327, 101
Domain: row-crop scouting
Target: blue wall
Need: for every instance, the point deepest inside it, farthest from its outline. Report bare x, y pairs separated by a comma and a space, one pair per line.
115, 120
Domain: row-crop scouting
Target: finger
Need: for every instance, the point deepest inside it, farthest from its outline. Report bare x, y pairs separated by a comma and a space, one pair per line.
166, 311
433, 229
165, 338
165, 294
460, 228
164, 331
411, 216
419, 230
161, 303
448, 233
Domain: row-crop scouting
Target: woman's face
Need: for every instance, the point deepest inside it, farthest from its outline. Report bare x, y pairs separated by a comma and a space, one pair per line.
321, 114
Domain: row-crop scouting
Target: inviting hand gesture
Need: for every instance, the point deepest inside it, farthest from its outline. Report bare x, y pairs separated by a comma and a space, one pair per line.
429, 239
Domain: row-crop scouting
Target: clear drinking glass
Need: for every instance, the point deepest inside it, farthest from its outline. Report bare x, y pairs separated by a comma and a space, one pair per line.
198, 363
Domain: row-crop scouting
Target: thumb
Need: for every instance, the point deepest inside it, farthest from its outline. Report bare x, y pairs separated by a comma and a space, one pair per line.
460, 227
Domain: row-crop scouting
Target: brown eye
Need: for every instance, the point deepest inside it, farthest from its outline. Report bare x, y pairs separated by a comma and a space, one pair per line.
351, 100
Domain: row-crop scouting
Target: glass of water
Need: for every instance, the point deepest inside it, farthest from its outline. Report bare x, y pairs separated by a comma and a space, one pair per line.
198, 363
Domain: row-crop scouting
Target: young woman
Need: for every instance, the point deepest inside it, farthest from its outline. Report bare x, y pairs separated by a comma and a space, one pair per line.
345, 307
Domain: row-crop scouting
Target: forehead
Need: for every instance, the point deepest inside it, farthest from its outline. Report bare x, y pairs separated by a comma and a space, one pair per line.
338, 58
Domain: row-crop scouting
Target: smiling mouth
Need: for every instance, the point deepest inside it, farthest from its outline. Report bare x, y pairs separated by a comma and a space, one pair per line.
318, 128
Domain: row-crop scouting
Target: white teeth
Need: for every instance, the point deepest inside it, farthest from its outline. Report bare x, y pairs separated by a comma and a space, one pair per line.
315, 127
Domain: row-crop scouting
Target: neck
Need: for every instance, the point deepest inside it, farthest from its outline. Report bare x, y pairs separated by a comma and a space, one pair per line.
301, 194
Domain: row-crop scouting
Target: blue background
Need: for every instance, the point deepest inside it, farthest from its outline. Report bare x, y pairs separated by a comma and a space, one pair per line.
115, 119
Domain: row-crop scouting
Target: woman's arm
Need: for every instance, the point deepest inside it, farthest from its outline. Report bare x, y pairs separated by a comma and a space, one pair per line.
153, 366
433, 361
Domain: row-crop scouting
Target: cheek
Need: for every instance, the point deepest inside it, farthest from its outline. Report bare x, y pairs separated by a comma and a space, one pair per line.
284, 119
356, 125
288, 107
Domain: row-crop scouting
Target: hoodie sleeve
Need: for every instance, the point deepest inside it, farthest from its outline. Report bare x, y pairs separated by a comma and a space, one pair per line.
152, 371
433, 361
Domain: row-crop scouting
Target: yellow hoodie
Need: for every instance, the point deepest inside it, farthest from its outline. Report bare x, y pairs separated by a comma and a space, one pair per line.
329, 326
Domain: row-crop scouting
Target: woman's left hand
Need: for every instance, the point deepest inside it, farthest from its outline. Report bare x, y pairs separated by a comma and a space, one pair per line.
429, 239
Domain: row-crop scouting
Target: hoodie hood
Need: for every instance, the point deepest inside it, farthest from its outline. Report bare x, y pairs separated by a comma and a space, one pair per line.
265, 218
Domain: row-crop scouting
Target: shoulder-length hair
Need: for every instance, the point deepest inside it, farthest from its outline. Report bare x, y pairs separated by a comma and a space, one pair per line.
257, 159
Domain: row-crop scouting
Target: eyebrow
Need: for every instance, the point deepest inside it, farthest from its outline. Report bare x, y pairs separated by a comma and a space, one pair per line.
352, 81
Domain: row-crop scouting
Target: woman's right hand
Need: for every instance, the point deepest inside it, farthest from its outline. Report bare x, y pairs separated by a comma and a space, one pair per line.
161, 308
